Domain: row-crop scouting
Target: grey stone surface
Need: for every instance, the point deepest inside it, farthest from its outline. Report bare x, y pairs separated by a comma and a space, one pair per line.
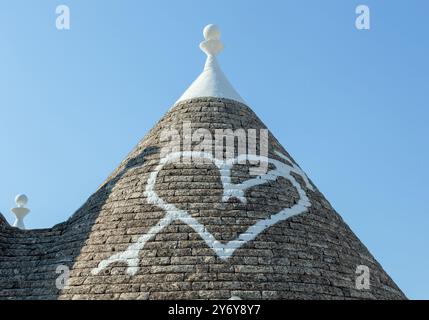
310, 256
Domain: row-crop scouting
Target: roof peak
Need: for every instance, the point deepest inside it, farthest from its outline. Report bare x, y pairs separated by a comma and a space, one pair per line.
212, 82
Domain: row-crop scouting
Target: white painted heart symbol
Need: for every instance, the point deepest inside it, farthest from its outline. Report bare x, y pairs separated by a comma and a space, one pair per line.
230, 190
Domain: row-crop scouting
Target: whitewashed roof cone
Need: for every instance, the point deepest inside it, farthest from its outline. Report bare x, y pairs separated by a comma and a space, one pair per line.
20, 211
212, 82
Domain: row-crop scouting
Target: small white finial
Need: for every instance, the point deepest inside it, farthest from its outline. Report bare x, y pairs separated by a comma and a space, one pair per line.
212, 82
21, 200
212, 45
211, 32
20, 211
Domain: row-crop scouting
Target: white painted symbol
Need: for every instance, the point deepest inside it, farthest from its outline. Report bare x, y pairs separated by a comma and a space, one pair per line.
230, 190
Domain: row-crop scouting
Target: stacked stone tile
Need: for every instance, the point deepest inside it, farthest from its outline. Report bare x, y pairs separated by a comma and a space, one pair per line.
313, 255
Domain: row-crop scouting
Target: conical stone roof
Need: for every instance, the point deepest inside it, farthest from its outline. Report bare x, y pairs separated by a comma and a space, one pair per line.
164, 229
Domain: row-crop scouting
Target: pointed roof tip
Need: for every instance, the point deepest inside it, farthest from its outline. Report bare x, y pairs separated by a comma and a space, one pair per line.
212, 82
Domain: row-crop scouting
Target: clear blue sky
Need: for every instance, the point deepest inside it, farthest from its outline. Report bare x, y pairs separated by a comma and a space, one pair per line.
350, 106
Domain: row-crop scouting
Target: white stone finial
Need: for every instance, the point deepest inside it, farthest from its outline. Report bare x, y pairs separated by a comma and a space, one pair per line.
20, 211
211, 32
212, 82
212, 46
21, 200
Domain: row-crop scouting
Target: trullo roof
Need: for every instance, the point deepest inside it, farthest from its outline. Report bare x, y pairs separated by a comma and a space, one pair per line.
162, 229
